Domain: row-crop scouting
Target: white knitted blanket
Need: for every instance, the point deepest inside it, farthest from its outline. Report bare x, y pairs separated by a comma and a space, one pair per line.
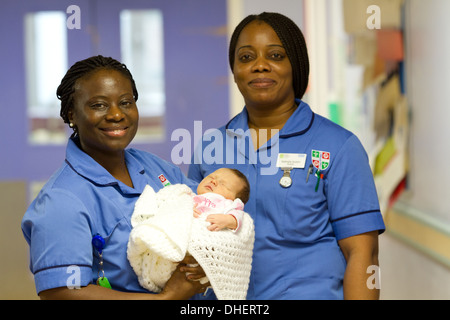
164, 231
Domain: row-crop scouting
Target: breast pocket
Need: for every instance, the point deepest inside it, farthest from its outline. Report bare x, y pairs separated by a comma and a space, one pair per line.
304, 210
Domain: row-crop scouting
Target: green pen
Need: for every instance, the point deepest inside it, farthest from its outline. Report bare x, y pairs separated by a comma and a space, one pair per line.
319, 176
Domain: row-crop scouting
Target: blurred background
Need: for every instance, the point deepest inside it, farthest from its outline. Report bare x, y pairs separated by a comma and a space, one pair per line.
379, 68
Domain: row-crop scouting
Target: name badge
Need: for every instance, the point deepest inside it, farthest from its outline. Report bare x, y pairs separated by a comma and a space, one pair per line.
291, 160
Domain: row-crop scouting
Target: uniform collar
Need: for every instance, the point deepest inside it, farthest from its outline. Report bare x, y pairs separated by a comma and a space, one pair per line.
87, 167
299, 123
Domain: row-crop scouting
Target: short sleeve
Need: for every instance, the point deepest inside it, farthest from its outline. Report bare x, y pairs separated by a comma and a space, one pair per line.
58, 231
236, 210
351, 193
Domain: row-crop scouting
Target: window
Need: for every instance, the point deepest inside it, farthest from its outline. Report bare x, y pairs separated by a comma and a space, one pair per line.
46, 64
141, 34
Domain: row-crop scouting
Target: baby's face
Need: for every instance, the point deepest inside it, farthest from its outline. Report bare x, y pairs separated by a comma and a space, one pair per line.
222, 181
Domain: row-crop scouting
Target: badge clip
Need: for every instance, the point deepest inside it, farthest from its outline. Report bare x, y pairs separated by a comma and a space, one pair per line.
99, 243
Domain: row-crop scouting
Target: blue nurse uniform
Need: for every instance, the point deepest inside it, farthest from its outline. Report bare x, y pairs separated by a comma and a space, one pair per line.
82, 200
296, 253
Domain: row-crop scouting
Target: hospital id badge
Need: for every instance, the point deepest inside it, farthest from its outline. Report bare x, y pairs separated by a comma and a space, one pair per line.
291, 160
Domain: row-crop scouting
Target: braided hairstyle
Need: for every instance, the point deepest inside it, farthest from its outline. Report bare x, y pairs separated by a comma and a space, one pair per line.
293, 41
82, 68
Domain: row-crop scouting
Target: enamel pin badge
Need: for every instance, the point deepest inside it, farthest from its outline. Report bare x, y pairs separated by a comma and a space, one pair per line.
320, 159
164, 180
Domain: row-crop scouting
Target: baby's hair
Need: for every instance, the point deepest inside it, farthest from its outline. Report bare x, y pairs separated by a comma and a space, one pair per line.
82, 68
244, 193
293, 41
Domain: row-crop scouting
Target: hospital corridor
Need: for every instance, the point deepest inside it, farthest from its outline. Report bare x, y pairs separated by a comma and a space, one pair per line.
378, 68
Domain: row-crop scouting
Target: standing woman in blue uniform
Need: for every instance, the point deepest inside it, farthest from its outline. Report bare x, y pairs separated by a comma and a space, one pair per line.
312, 195
79, 224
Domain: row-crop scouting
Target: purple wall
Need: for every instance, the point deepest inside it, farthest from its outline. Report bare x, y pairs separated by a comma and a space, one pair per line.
196, 71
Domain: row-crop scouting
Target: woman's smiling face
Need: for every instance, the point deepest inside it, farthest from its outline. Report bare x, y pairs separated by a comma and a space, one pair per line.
104, 112
262, 70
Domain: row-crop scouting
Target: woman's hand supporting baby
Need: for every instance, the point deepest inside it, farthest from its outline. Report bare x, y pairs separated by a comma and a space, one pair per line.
184, 282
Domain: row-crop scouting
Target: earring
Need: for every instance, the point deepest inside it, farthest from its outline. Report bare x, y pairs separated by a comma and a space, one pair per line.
71, 125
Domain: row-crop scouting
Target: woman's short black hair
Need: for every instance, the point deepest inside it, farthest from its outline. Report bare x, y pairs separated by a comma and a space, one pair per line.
82, 68
293, 41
